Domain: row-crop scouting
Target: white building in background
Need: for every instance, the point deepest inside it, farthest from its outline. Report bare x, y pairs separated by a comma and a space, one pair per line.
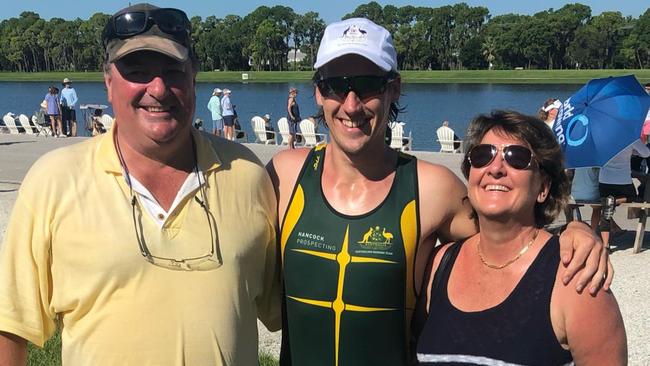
299, 55
290, 57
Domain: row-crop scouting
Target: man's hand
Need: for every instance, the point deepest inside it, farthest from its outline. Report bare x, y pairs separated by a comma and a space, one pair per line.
580, 248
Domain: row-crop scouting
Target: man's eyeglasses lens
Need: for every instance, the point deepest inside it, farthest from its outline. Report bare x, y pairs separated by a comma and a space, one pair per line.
168, 20
517, 156
363, 86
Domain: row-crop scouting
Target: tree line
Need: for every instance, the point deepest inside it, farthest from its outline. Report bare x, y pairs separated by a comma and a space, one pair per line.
452, 37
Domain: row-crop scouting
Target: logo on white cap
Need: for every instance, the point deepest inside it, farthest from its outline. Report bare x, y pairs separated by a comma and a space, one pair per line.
353, 35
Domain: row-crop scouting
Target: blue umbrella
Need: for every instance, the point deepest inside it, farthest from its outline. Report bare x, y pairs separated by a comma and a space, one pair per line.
601, 119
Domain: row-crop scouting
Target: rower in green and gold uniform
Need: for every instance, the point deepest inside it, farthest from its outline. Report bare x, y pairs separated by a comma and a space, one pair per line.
344, 275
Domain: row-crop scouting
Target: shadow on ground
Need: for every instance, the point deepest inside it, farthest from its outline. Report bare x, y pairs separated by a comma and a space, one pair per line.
625, 240
15, 142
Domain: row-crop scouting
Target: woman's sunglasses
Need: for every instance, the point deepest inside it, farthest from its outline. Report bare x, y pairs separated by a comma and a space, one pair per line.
365, 86
169, 20
517, 156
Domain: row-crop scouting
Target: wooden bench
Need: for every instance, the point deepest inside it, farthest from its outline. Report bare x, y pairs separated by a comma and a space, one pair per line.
635, 210
638, 210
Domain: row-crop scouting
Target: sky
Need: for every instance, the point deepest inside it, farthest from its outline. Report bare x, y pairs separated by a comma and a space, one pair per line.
329, 10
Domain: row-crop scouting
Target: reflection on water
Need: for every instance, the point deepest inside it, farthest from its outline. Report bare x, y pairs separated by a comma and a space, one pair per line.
426, 105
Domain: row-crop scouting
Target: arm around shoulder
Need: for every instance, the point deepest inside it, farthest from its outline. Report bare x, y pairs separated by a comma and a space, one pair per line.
444, 206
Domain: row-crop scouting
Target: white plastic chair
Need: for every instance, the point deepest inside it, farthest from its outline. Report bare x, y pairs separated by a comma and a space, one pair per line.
446, 140
283, 127
29, 130
38, 120
107, 121
398, 141
308, 132
10, 123
260, 132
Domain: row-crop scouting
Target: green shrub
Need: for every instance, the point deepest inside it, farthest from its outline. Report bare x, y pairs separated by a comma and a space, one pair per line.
50, 354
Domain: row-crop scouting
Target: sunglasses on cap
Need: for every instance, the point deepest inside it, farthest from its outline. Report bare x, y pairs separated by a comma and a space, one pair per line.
517, 156
365, 86
171, 21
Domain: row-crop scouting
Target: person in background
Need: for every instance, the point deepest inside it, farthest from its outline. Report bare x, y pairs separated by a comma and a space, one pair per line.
214, 106
98, 126
637, 161
68, 104
228, 114
358, 219
615, 179
54, 111
268, 126
293, 116
457, 140
584, 189
161, 271
548, 111
499, 299
238, 133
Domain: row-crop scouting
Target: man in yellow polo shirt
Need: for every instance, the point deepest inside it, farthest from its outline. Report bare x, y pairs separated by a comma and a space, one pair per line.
136, 243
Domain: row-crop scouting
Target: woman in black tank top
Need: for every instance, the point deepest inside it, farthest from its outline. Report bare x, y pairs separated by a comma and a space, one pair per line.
497, 298
293, 116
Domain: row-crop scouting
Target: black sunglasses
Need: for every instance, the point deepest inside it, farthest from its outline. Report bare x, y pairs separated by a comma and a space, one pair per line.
517, 156
169, 20
365, 86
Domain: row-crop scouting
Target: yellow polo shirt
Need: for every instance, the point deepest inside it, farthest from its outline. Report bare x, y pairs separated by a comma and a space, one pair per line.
70, 251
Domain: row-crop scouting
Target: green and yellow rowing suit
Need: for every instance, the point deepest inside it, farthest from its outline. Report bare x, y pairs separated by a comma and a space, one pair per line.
349, 290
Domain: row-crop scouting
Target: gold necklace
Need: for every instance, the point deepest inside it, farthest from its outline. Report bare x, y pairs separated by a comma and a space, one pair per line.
506, 264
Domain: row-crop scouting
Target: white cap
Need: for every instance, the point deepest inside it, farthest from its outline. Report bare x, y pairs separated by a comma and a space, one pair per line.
216, 91
555, 105
226, 91
358, 36
267, 116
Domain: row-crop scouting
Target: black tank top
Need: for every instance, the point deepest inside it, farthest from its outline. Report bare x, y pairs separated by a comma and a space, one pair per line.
349, 292
295, 110
518, 331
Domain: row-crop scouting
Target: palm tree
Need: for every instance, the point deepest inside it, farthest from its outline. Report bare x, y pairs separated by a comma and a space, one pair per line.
489, 50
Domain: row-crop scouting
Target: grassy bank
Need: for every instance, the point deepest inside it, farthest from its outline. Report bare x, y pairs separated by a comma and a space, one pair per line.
50, 354
467, 76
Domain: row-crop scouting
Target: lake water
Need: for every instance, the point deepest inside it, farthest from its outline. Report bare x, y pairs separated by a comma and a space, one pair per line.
426, 105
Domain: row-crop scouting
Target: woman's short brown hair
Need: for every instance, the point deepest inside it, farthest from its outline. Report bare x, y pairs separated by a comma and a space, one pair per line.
548, 154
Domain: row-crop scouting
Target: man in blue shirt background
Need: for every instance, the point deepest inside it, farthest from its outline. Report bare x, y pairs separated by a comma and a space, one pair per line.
68, 102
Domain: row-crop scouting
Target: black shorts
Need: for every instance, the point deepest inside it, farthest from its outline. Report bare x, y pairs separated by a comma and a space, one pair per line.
68, 114
229, 121
626, 191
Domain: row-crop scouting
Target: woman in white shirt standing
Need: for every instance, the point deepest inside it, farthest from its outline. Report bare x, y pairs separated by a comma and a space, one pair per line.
549, 110
615, 179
